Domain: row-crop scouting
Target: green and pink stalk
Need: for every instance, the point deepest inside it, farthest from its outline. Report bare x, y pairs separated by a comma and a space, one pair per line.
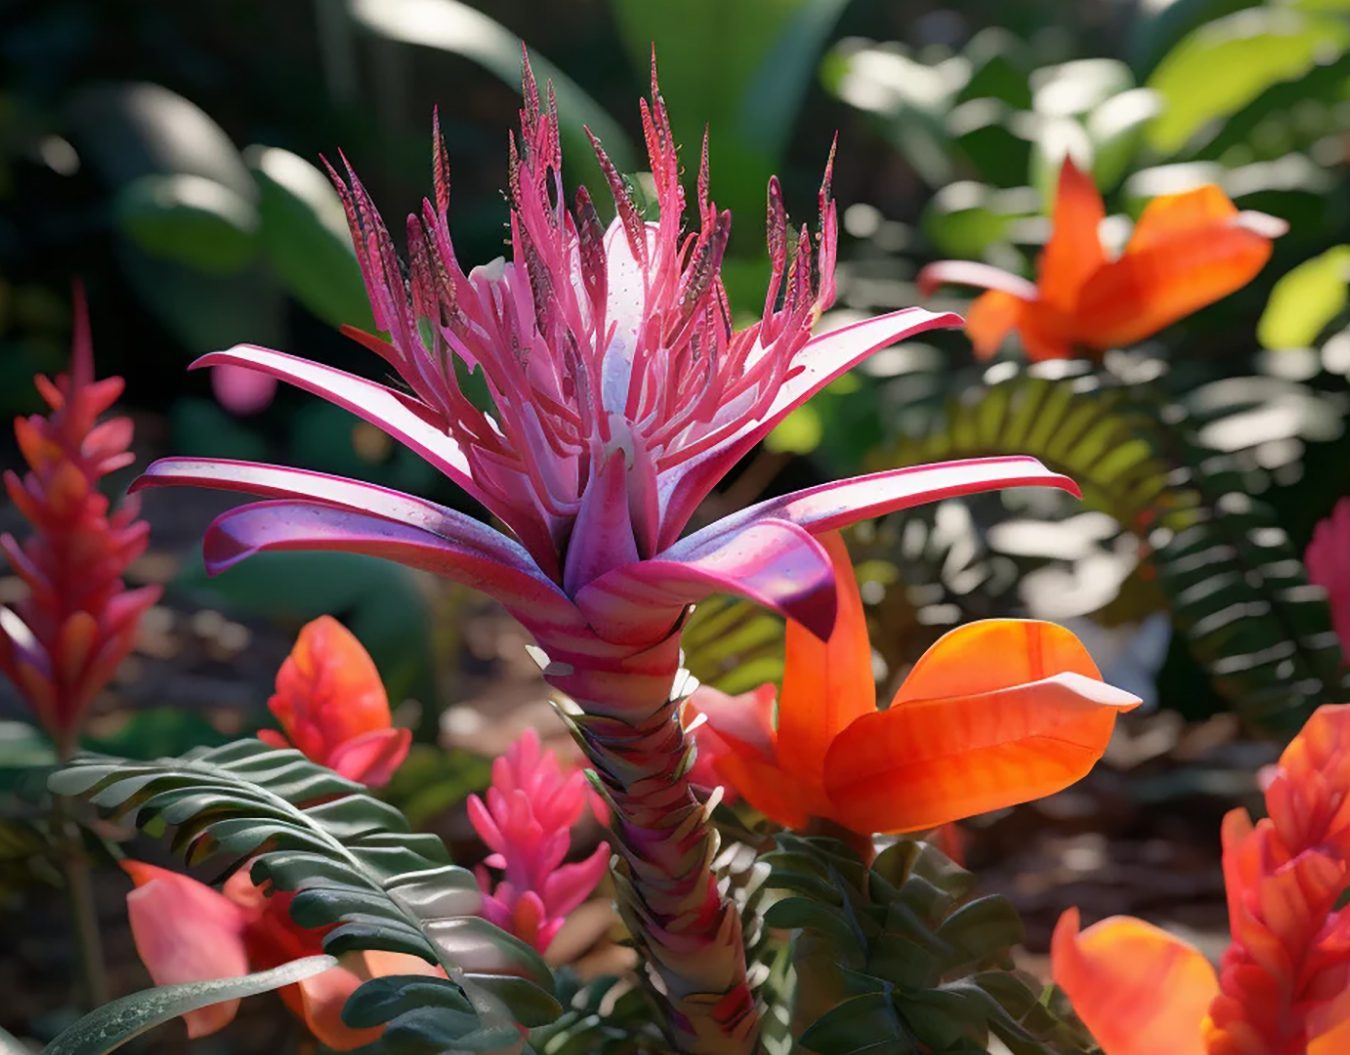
621, 395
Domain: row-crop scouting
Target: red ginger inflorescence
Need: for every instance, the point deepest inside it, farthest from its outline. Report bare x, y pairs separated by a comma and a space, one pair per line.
62, 642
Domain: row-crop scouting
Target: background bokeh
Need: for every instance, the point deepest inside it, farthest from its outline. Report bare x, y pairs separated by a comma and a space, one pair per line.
169, 156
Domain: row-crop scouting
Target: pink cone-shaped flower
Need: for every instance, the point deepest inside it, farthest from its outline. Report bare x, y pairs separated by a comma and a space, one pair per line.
527, 824
62, 642
620, 395
332, 706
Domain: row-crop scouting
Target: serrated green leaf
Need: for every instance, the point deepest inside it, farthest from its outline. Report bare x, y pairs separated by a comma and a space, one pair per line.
115, 1023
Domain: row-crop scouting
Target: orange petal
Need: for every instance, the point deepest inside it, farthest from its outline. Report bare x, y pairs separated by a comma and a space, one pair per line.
990, 318
1187, 251
1074, 250
321, 997
185, 931
1140, 990
995, 713
736, 747
826, 684
328, 690
1168, 215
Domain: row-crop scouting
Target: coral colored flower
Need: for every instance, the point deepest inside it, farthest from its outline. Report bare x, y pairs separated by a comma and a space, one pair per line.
1187, 251
62, 642
1283, 985
997, 712
186, 931
332, 706
1328, 561
527, 824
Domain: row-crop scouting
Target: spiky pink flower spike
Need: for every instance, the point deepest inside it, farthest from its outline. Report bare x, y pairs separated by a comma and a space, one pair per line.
62, 642
527, 824
620, 396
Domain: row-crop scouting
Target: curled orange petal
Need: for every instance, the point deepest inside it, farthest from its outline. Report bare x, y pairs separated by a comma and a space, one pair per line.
990, 318
1140, 990
186, 931
737, 748
1187, 251
995, 713
826, 684
1074, 251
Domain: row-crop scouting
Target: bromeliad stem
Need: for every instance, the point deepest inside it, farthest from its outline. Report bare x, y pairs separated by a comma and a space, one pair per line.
625, 717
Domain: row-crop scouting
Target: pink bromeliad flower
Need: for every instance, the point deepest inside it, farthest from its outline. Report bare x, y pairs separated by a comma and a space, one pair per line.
527, 824
620, 394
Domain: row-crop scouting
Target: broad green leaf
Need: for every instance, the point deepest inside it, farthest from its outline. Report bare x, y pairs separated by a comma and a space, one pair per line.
459, 29
739, 69
964, 219
189, 220
1117, 129
115, 1023
304, 233
1305, 300
1226, 64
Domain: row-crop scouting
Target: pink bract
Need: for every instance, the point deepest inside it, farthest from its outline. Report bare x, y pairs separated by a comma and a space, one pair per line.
526, 823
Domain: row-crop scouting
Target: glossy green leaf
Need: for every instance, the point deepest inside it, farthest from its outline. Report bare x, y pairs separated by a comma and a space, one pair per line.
1227, 63
304, 234
1306, 300
189, 220
458, 29
112, 1025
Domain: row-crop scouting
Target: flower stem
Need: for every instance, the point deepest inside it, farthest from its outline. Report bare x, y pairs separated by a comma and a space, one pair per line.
687, 933
80, 896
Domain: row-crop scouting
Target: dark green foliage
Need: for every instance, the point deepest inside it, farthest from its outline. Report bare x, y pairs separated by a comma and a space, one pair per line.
605, 1016
354, 867
901, 959
1233, 580
733, 645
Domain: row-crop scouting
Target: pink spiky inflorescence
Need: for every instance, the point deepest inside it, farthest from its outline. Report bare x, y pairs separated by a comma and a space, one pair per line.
527, 823
62, 642
1284, 979
593, 342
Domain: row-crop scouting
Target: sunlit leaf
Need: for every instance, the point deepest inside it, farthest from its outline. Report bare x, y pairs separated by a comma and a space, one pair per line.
1227, 63
189, 220
304, 233
1306, 300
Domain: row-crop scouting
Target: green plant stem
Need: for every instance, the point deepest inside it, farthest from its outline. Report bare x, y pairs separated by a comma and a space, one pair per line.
80, 895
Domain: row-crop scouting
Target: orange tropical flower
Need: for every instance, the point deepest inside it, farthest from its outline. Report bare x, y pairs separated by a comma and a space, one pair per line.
186, 931
997, 712
332, 706
1283, 985
1187, 251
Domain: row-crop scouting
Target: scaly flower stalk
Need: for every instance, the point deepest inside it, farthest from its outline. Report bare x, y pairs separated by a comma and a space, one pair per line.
527, 824
1283, 986
62, 642
620, 395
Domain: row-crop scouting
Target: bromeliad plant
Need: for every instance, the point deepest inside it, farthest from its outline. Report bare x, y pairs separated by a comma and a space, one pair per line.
618, 395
